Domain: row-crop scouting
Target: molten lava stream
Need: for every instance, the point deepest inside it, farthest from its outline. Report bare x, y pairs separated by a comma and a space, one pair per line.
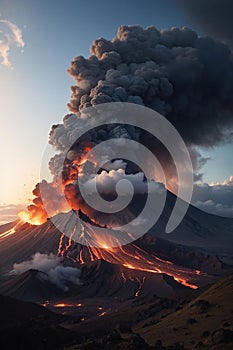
10, 231
134, 258
142, 261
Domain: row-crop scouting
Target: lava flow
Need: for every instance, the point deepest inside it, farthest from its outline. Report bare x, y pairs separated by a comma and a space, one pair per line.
9, 232
131, 256
96, 242
99, 242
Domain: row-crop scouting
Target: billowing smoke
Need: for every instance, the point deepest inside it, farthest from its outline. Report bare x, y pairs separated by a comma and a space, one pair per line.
213, 17
186, 78
61, 276
52, 200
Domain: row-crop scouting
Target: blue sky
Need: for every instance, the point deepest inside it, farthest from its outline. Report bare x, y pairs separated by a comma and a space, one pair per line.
34, 94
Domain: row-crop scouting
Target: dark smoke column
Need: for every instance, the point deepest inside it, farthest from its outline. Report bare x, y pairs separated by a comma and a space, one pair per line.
186, 78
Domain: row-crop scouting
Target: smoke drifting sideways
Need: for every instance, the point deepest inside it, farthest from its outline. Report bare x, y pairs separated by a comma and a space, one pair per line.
186, 78
61, 276
213, 17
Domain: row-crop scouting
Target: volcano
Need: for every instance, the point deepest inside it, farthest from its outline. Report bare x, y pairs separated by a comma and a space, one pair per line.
157, 272
193, 256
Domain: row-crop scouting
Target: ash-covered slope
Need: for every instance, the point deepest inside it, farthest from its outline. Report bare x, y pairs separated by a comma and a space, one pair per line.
104, 279
25, 241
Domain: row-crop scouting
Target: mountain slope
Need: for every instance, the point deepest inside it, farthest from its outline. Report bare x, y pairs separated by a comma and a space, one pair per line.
104, 279
207, 319
210, 233
200, 320
31, 285
26, 326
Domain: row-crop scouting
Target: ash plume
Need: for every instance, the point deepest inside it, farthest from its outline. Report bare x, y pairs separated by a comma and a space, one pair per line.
213, 17
186, 78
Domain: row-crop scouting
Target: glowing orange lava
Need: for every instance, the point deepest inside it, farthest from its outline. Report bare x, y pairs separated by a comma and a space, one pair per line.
131, 257
62, 305
102, 314
140, 286
30, 219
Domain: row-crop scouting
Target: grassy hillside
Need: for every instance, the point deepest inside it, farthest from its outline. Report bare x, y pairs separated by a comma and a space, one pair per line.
206, 322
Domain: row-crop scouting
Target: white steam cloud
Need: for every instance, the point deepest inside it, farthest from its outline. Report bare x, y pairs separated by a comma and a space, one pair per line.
106, 182
50, 264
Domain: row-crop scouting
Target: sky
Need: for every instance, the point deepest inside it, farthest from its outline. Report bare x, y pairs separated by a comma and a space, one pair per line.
35, 86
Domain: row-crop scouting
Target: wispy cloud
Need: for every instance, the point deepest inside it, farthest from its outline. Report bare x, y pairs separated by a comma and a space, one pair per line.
10, 36
8, 212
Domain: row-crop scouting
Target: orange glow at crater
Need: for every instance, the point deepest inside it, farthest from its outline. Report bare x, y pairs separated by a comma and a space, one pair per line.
33, 220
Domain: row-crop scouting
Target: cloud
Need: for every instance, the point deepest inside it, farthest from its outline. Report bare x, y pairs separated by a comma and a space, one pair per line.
106, 183
228, 182
215, 208
50, 264
10, 36
110, 185
213, 17
215, 198
8, 212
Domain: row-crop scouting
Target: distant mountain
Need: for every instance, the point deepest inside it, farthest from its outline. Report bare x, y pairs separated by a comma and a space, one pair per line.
207, 232
31, 285
26, 326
